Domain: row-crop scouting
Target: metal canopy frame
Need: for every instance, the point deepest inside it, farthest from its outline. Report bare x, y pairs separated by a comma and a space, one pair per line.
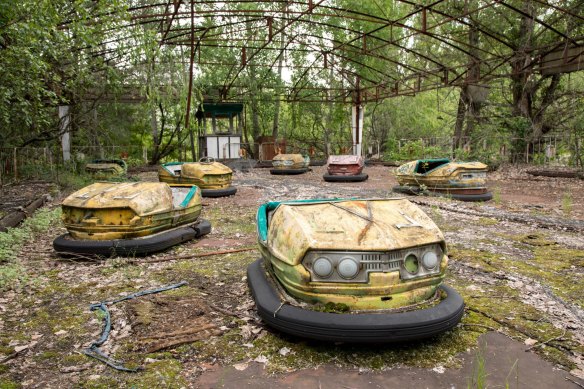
370, 56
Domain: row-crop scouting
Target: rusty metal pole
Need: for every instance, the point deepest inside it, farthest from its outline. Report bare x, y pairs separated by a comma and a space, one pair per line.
192, 60
357, 119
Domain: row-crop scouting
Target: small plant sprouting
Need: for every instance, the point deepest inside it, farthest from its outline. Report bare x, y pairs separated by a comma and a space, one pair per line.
497, 195
479, 373
567, 204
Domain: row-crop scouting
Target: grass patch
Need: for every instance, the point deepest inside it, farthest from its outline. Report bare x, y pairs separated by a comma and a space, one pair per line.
496, 195
567, 204
500, 307
11, 241
487, 221
304, 354
240, 220
161, 374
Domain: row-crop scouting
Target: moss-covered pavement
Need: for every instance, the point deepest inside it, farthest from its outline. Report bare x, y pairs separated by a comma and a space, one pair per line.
519, 280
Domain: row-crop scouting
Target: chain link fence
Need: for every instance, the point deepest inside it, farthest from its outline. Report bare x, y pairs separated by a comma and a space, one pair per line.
45, 163
559, 150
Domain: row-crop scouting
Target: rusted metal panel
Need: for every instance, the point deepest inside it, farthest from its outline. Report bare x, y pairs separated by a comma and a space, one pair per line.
105, 211
564, 60
345, 165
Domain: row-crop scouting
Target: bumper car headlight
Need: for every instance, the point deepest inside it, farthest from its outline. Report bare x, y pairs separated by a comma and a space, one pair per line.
348, 268
411, 264
430, 260
322, 267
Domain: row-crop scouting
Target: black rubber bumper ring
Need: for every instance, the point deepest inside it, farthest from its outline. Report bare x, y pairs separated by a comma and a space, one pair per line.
353, 178
352, 328
415, 190
289, 171
219, 192
64, 244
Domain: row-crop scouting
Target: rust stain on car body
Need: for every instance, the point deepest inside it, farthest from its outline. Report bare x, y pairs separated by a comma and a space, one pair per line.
205, 174
444, 176
345, 165
376, 236
290, 161
105, 211
106, 168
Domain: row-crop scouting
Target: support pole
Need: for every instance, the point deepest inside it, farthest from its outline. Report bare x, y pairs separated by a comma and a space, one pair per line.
357, 128
64, 122
357, 120
192, 60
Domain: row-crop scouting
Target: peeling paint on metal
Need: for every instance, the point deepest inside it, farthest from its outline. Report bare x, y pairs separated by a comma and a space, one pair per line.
205, 175
104, 211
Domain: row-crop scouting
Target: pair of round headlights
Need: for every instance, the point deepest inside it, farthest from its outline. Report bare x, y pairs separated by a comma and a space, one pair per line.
429, 260
347, 267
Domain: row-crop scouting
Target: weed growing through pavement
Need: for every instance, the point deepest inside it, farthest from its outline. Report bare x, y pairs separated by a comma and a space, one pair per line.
567, 204
479, 374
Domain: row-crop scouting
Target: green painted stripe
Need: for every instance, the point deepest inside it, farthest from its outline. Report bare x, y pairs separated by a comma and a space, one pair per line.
190, 195
167, 164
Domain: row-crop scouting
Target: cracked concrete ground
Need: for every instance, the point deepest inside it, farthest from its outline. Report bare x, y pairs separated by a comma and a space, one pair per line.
517, 261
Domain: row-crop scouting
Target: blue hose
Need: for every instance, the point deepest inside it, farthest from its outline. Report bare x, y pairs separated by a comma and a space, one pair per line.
94, 351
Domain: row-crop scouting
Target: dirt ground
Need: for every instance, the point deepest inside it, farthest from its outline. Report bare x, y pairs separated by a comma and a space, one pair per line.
518, 261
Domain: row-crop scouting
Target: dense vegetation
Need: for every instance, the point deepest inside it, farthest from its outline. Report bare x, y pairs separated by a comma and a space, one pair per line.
94, 57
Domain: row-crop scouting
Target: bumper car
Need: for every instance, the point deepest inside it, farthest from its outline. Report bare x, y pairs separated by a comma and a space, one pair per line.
345, 168
290, 164
129, 219
212, 177
106, 168
358, 271
465, 181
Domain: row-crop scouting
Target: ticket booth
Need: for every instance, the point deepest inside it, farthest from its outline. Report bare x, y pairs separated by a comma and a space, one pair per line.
219, 129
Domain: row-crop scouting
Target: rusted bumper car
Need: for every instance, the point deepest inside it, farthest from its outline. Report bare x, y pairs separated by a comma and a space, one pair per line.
345, 168
290, 164
366, 271
103, 169
465, 181
129, 219
212, 177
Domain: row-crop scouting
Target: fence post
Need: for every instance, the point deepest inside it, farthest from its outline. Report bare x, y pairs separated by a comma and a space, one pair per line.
14, 160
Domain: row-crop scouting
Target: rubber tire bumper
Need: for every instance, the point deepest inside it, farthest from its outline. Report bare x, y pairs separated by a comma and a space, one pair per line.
405, 189
415, 190
131, 247
352, 178
289, 171
219, 192
470, 197
352, 328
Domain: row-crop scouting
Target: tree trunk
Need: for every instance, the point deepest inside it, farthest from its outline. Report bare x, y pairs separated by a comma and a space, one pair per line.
459, 124
525, 86
468, 108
